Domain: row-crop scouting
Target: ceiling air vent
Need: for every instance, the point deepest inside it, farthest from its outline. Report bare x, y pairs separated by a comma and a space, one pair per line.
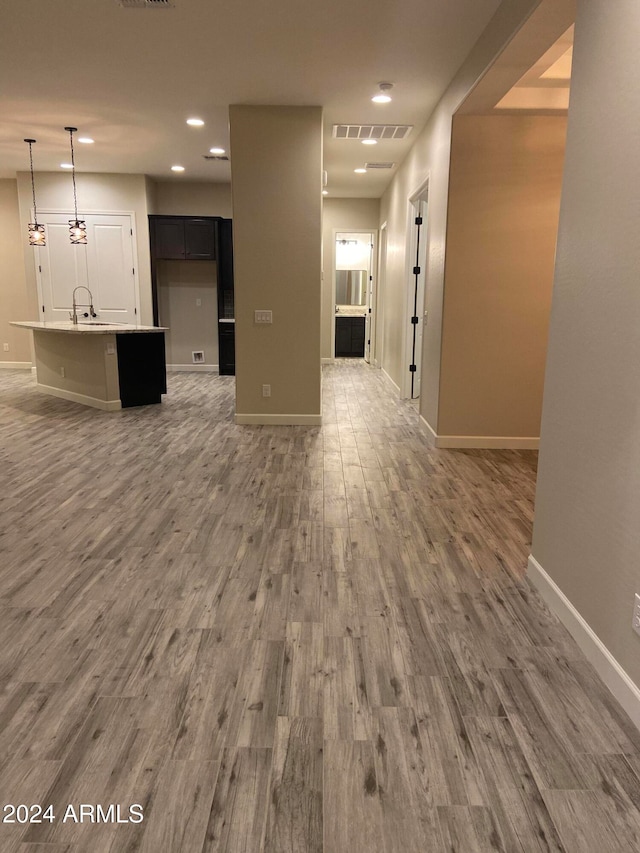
145, 4
371, 131
215, 156
379, 165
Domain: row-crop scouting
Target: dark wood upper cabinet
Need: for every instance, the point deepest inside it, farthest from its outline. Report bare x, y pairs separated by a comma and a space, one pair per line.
167, 238
200, 239
183, 238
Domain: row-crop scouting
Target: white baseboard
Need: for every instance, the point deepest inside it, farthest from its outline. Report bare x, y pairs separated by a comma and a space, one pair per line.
16, 365
281, 420
397, 387
614, 676
487, 442
193, 368
429, 431
94, 402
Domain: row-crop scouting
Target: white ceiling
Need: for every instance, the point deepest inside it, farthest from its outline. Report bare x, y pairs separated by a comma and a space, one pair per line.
130, 78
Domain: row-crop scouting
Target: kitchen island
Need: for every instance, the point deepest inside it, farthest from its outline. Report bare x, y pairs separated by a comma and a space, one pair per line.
109, 366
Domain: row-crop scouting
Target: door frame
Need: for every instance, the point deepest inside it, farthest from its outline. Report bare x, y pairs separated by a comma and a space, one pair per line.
377, 341
421, 193
373, 232
85, 212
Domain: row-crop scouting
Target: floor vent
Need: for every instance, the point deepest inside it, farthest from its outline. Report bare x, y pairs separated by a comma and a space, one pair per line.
145, 4
215, 156
371, 131
379, 165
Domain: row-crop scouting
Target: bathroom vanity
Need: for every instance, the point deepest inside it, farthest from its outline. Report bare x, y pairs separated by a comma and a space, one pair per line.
109, 366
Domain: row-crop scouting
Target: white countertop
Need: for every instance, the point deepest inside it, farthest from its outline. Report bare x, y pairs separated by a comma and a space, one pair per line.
87, 328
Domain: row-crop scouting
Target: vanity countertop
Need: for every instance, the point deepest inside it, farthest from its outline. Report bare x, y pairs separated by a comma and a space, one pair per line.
87, 328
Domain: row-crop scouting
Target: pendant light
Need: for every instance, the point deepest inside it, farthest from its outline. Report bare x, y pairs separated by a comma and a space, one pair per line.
77, 227
37, 237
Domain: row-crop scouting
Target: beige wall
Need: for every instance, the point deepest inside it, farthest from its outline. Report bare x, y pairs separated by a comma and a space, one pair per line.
340, 214
277, 258
191, 326
96, 193
586, 534
88, 369
504, 198
192, 198
14, 304
429, 158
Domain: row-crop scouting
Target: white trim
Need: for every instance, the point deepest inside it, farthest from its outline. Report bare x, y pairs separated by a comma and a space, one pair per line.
385, 374
487, 442
373, 272
624, 689
16, 365
193, 368
431, 435
282, 420
327, 360
94, 402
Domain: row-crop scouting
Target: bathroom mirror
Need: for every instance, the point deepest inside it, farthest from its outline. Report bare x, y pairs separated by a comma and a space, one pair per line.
351, 287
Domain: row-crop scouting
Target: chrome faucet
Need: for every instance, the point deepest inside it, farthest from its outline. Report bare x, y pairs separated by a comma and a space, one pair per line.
74, 316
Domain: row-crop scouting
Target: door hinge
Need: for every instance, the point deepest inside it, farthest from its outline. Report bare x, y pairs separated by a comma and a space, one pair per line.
43, 309
416, 270
414, 321
39, 268
369, 343
135, 310
412, 368
133, 270
369, 310
418, 220
131, 231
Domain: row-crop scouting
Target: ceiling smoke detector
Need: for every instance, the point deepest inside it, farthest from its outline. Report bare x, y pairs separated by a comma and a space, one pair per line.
145, 4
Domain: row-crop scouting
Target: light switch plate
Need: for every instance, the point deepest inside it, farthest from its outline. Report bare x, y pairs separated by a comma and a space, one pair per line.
263, 317
111, 349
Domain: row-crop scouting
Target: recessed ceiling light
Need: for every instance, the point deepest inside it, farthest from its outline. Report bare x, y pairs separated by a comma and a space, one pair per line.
369, 141
66, 165
360, 171
195, 122
383, 96
217, 151
87, 140
177, 168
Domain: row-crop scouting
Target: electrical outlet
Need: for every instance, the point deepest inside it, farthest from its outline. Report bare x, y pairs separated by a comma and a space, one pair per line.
266, 390
62, 372
5, 347
635, 624
198, 303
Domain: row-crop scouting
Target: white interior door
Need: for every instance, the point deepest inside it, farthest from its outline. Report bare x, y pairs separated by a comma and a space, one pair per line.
60, 267
111, 268
105, 265
416, 298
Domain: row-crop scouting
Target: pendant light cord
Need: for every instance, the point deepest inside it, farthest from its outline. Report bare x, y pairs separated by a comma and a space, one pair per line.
33, 187
73, 175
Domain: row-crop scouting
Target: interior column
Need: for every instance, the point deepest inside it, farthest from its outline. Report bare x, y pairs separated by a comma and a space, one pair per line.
276, 163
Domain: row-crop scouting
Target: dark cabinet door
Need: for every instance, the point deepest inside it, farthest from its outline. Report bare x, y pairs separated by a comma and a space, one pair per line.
226, 349
200, 239
350, 337
343, 336
168, 238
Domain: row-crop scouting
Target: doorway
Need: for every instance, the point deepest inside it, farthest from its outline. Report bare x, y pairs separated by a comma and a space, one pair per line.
416, 287
353, 283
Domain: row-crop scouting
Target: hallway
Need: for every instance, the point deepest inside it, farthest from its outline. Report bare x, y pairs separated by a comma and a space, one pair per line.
288, 639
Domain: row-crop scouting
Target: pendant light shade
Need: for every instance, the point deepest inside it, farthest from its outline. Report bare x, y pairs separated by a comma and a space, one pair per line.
37, 237
77, 227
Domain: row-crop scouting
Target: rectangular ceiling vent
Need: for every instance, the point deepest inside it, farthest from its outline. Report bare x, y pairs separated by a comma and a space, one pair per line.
145, 4
215, 156
371, 131
379, 165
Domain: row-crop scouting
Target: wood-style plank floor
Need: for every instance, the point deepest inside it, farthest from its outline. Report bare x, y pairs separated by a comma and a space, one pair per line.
287, 639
